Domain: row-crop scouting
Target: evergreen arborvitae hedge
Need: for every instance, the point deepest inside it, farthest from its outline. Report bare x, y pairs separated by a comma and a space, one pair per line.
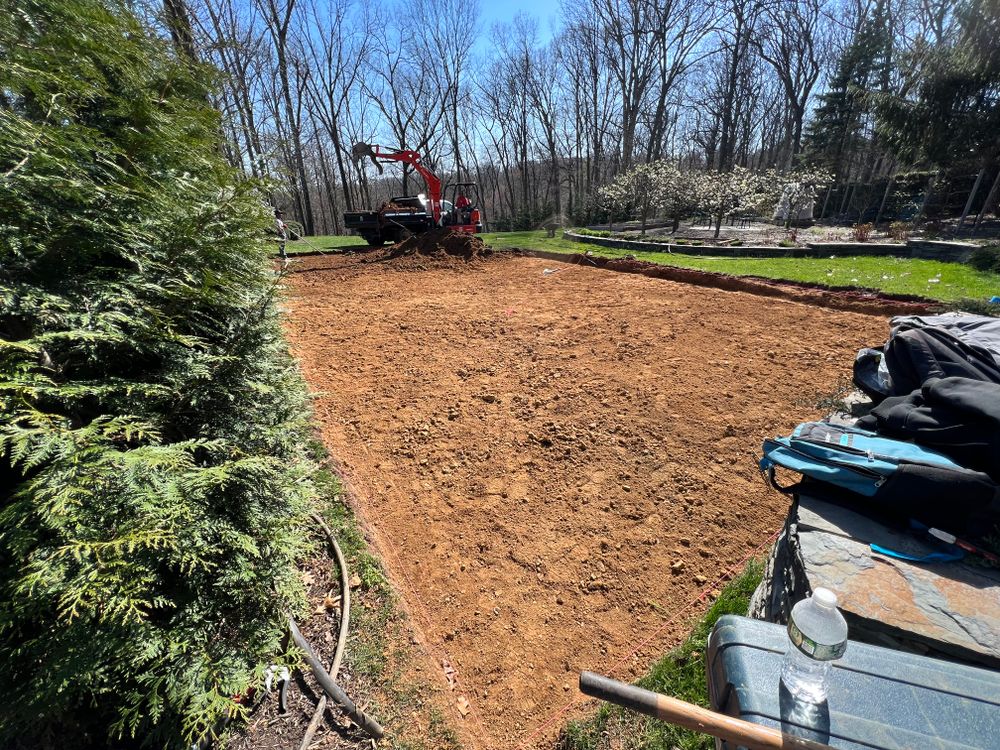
152, 486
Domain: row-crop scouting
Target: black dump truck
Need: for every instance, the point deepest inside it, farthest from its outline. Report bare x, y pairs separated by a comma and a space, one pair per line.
404, 216
396, 220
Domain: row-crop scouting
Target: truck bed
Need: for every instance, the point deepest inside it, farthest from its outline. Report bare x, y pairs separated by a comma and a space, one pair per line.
379, 227
371, 219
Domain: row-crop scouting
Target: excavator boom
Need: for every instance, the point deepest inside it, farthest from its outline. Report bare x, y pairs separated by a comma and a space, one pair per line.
381, 154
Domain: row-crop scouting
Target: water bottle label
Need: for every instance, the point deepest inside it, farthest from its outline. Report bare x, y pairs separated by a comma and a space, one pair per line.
809, 647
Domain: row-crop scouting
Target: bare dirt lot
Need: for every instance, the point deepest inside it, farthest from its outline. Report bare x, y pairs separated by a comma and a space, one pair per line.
550, 463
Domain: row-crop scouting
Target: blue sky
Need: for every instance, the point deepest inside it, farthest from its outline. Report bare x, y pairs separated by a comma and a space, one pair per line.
503, 11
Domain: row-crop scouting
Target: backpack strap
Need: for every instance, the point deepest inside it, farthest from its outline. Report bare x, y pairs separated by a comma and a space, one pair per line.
773, 481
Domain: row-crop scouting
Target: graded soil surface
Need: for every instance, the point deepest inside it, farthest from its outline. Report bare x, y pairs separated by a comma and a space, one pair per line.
552, 463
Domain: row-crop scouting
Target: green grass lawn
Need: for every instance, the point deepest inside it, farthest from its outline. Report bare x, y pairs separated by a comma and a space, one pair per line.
327, 243
948, 282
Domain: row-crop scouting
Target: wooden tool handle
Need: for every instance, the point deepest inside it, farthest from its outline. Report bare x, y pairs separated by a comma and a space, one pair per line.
690, 716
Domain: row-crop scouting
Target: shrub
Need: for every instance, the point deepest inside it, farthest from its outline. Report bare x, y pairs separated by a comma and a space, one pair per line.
787, 242
591, 232
152, 491
975, 306
986, 259
900, 230
861, 232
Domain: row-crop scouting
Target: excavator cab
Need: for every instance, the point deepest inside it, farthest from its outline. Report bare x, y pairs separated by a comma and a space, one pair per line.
465, 212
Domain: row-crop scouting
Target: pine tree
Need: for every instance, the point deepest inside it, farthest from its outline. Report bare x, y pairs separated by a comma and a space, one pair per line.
863, 67
152, 486
949, 113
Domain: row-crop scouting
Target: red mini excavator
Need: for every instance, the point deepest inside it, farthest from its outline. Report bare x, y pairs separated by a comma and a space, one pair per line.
407, 215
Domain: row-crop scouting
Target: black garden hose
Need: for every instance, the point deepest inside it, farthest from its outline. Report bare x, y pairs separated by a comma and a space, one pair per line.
345, 619
331, 688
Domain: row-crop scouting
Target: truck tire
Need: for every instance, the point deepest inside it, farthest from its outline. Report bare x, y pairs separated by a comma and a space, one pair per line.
374, 240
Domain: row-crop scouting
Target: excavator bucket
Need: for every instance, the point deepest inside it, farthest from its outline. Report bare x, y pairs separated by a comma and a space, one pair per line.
360, 150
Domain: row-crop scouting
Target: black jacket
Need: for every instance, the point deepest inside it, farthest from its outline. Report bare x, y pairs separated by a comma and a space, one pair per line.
955, 415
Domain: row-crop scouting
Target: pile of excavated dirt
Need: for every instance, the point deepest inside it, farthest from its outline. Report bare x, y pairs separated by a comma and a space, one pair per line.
442, 242
397, 208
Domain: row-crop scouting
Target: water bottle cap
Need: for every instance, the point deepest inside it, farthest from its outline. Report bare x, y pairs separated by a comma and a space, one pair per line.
825, 598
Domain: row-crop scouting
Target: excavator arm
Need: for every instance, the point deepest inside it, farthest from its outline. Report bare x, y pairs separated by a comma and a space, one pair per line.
379, 154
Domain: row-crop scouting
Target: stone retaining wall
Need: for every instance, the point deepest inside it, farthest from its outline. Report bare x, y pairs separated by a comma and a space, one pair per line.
953, 252
957, 252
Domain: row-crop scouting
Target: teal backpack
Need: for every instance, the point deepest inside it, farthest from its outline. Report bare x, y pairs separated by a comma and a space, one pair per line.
895, 476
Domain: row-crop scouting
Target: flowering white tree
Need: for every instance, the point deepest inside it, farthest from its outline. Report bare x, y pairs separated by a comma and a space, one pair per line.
635, 191
799, 193
722, 194
645, 182
654, 189
615, 197
678, 195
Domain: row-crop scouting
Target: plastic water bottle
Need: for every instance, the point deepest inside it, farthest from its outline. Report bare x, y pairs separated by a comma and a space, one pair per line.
817, 634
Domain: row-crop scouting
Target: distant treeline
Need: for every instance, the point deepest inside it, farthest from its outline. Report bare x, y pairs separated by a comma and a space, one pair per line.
868, 90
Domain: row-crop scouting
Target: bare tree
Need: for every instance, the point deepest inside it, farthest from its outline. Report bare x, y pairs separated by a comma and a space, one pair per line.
230, 42
336, 54
628, 31
532, 73
444, 45
278, 16
405, 90
682, 26
792, 39
735, 34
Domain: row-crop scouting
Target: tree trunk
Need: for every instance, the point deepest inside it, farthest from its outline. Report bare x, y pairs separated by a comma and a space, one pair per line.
725, 152
885, 196
927, 197
331, 189
178, 19
798, 115
454, 120
727, 137
826, 200
845, 201
988, 202
294, 126
338, 150
279, 33
972, 197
